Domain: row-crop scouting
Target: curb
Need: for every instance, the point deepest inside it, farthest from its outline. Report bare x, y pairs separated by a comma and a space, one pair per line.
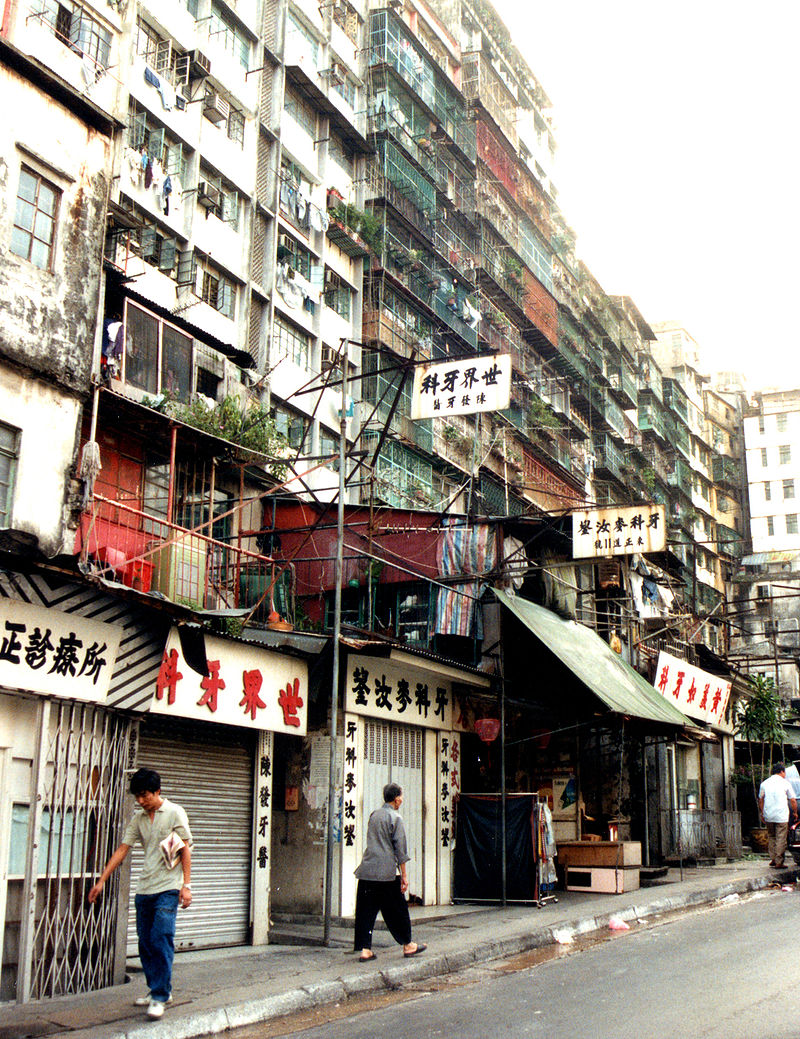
319, 994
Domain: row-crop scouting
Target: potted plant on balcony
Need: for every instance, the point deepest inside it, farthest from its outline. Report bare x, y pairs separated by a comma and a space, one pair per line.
759, 722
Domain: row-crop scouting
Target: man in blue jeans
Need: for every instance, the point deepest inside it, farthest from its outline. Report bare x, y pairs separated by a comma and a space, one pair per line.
164, 883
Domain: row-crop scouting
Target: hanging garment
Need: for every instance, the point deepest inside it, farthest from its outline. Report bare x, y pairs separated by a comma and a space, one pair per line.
301, 205
148, 171
166, 191
158, 176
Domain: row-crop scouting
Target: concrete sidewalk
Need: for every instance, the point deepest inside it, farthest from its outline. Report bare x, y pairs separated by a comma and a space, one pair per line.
226, 988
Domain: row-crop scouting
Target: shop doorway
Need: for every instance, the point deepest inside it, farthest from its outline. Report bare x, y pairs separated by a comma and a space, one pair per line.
394, 754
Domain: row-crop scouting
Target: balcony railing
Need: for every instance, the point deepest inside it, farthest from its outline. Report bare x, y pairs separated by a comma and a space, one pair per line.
147, 553
725, 471
608, 457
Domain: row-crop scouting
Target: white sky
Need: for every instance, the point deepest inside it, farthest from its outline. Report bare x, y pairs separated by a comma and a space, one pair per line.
678, 130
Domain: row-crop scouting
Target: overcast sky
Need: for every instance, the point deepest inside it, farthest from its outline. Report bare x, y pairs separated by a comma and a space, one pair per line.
678, 129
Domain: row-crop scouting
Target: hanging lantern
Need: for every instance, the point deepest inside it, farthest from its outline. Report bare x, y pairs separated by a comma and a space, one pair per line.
487, 729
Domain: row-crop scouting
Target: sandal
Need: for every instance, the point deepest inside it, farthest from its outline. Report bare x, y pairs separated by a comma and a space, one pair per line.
420, 948
367, 959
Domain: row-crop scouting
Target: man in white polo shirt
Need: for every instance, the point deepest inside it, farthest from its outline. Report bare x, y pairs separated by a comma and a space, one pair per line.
161, 827
775, 799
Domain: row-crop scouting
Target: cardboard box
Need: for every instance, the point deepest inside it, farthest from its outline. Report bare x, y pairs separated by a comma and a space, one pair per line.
606, 854
607, 881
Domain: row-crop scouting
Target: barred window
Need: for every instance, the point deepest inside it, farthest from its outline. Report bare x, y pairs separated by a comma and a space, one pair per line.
9, 454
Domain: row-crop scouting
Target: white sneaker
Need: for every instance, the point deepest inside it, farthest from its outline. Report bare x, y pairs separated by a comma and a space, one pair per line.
145, 1001
155, 1009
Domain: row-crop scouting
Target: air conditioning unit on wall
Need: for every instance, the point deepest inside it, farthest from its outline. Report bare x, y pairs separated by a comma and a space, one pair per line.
199, 65
208, 196
216, 108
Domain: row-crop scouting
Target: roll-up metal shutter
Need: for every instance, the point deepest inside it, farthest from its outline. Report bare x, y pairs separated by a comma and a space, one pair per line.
394, 754
209, 772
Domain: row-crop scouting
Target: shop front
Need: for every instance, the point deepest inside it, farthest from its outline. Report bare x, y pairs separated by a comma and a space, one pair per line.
401, 724
69, 654
210, 736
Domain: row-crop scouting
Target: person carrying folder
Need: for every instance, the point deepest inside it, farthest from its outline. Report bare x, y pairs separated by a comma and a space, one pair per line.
162, 828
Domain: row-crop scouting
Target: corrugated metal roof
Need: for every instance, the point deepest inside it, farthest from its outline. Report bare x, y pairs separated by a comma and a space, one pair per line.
765, 558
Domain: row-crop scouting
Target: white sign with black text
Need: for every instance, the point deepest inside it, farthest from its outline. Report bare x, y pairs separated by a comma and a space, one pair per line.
613, 531
461, 387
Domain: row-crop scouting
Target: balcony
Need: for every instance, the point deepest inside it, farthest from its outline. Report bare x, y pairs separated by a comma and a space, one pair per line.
623, 383
729, 541
651, 419
148, 554
609, 460
681, 476
725, 471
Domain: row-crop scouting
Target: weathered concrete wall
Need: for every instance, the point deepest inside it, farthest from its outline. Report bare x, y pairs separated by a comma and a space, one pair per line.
48, 317
48, 421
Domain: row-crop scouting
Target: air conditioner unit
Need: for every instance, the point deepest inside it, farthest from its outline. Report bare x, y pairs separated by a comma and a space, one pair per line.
199, 65
338, 74
208, 196
216, 108
328, 358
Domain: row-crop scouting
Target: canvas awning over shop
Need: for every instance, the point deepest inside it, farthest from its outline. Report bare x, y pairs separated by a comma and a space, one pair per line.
620, 687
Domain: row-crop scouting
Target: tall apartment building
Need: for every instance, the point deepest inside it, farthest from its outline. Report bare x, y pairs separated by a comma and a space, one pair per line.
768, 607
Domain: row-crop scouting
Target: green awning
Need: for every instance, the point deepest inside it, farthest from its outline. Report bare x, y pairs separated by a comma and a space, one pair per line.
621, 688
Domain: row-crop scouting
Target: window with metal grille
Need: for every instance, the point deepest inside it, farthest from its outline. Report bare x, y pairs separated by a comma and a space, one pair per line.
9, 454
158, 356
34, 232
791, 523
217, 291
224, 31
784, 454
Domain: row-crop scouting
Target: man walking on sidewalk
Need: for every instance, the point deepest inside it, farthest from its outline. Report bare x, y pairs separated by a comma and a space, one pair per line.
775, 798
162, 829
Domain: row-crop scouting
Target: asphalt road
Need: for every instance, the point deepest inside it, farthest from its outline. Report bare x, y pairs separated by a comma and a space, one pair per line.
731, 972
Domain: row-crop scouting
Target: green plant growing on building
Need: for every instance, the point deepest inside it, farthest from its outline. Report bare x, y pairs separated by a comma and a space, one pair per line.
247, 425
542, 416
649, 478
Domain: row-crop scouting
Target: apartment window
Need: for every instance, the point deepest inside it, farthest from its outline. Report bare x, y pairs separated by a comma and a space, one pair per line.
767, 491
338, 295
762, 591
788, 488
329, 445
290, 424
76, 28
770, 526
224, 31
217, 291
791, 523
339, 153
761, 425
9, 453
295, 255
290, 342
158, 356
219, 198
302, 111
346, 89
784, 454
763, 456
782, 422
34, 231
236, 126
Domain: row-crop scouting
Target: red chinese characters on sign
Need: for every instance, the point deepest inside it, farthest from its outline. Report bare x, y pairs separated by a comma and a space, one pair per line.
268, 697
168, 676
289, 700
251, 687
212, 684
694, 691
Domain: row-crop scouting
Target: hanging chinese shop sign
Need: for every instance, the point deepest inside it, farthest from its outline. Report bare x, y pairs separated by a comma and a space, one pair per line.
247, 686
694, 692
57, 654
618, 532
395, 690
462, 387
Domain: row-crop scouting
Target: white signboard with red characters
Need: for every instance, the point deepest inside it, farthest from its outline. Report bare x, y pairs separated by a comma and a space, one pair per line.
694, 692
247, 686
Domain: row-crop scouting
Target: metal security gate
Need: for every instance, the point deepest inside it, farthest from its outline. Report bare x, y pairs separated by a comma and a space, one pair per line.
65, 837
393, 753
209, 773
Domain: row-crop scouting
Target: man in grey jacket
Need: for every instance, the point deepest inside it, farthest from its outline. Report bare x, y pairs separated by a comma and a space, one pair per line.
381, 888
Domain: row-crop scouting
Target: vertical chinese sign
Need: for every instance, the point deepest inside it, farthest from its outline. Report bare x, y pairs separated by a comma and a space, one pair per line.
696, 693
262, 837
449, 787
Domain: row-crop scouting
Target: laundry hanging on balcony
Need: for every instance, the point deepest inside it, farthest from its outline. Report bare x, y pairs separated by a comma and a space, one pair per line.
466, 549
